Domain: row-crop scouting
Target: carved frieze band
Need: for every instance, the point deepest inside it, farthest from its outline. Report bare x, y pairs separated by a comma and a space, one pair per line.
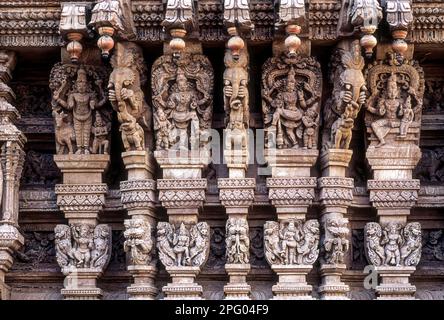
138, 193
393, 193
335, 190
236, 192
291, 191
177, 193
81, 197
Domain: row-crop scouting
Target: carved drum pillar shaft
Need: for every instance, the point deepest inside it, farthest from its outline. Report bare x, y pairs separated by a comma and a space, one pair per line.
336, 194
291, 110
182, 84
138, 198
82, 130
393, 121
12, 157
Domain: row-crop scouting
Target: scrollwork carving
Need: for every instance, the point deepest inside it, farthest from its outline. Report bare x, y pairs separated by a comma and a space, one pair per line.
291, 242
393, 244
237, 14
183, 246
82, 245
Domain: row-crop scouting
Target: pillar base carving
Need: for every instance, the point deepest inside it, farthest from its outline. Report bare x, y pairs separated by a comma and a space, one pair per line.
332, 288
139, 165
80, 284
143, 287
237, 288
183, 284
292, 284
291, 162
395, 284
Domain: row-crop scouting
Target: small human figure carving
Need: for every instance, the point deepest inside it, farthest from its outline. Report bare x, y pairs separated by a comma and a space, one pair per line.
100, 132
342, 130
310, 121
392, 240
83, 244
407, 115
163, 128
181, 244
132, 134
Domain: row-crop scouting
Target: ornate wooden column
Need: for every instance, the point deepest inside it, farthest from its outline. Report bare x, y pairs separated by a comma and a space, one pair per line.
12, 157
393, 120
82, 124
291, 94
236, 192
182, 85
336, 190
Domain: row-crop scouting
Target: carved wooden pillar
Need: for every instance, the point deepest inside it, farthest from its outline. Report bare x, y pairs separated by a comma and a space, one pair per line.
182, 84
336, 191
393, 120
291, 108
82, 126
236, 192
138, 191
12, 158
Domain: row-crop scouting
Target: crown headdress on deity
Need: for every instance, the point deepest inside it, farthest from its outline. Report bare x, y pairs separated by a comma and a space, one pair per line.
81, 75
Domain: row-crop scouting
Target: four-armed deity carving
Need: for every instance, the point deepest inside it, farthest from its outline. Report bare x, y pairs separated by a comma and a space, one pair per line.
237, 241
82, 245
291, 242
349, 95
395, 104
183, 102
78, 101
291, 93
393, 244
139, 241
185, 246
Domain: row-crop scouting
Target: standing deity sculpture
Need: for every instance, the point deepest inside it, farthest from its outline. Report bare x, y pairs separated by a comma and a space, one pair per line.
395, 104
291, 242
182, 99
291, 92
82, 245
237, 241
185, 246
126, 95
393, 244
349, 95
77, 92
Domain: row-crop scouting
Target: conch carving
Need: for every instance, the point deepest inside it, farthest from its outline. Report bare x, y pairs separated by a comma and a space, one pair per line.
82, 245
138, 241
336, 243
393, 244
349, 95
396, 97
291, 93
78, 108
237, 14
127, 97
183, 246
183, 101
236, 99
237, 241
291, 242
290, 12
